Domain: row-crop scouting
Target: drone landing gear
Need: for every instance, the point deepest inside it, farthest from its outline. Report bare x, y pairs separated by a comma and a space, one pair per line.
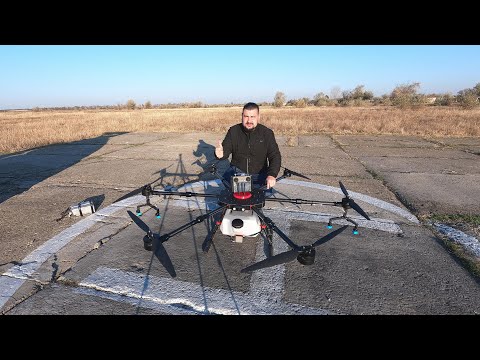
344, 217
147, 191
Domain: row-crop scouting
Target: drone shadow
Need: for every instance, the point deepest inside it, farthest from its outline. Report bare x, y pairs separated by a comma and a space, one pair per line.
22, 170
205, 158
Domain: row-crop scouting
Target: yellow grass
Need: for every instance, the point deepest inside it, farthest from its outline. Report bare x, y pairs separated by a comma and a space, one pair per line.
21, 130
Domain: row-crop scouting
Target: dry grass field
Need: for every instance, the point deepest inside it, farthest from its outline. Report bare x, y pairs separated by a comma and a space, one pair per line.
21, 130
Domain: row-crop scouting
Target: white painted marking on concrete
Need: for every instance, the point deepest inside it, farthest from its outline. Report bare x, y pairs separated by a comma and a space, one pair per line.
180, 295
37, 257
470, 243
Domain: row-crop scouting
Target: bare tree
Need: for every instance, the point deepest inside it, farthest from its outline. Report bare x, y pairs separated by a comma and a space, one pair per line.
335, 92
279, 99
131, 105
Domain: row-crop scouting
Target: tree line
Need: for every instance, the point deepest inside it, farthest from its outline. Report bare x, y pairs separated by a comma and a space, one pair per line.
403, 96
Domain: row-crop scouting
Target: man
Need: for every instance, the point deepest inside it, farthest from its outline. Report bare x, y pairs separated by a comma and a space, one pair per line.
253, 148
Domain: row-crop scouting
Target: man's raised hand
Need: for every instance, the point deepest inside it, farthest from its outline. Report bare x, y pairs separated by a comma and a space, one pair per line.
219, 149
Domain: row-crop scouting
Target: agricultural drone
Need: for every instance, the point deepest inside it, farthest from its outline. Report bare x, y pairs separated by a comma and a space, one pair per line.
240, 215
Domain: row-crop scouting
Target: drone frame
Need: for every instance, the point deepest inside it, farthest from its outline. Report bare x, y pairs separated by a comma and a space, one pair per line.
304, 254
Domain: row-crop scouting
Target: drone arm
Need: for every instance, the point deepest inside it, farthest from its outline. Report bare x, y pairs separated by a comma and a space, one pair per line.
274, 227
195, 221
302, 201
183, 193
214, 172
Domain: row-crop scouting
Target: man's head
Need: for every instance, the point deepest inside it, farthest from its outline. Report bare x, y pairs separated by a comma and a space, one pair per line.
250, 116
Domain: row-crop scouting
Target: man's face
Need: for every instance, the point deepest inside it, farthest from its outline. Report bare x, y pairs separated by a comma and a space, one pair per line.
250, 119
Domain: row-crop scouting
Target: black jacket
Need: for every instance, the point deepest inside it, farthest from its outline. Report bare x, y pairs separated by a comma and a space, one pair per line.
257, 146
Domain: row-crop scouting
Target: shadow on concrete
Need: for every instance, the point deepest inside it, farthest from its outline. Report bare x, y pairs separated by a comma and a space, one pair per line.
20, 171
180, 176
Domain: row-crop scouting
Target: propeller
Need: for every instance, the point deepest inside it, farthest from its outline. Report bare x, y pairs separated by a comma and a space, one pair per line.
159, 250
304, 254
350, 202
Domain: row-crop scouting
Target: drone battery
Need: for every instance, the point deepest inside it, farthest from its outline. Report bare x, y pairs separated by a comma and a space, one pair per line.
82, 208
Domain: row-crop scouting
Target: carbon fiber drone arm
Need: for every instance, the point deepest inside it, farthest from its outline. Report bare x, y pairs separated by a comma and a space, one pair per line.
195, 221
303, 201
183, 193
274, 227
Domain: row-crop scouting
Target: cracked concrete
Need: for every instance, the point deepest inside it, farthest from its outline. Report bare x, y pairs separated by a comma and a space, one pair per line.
439, 176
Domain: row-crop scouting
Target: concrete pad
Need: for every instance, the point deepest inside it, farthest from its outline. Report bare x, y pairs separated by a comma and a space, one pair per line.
384, 165
219, 268
309, 166
32, 164
313, 152
384, 141
39, 208
135, 138
66, 300
422, 153
110, 247
75, 150
320, 141
149, 152
187, 139
381, 273
468, 141
129, 173
436, 193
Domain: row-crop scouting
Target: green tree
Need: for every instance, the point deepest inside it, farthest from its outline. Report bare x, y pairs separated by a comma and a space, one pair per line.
148, 105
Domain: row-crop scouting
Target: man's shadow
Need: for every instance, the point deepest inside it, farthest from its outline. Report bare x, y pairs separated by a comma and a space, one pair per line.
205, 154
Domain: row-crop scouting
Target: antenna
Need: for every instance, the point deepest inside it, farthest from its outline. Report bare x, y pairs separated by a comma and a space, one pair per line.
247, 165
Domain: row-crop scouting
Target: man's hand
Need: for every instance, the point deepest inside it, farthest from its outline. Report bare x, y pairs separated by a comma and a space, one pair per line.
271, 181
219, 149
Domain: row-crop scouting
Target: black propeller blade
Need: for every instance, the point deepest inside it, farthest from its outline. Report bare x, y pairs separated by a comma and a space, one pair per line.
358, 209
292, 254
139, 222
352, 203
344, 190
159, 250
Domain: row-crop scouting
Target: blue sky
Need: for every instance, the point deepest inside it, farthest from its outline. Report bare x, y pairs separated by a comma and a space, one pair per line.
76, 75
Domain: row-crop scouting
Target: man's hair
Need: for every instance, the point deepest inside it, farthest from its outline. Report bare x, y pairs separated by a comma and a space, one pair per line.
251, 106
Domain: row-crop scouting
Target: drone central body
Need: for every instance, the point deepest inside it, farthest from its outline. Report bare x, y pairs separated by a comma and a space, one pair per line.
239, 219
240, 215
